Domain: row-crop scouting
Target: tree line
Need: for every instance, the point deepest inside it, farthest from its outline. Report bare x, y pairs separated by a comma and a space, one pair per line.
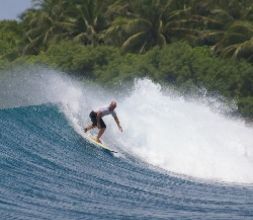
138, 25
218, 33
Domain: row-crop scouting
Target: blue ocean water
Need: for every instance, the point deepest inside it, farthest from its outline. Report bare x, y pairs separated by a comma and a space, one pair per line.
48, 171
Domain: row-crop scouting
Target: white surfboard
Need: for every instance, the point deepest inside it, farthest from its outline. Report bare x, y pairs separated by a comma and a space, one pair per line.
92, 140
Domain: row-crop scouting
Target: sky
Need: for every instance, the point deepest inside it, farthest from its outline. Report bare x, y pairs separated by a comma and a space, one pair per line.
11, 9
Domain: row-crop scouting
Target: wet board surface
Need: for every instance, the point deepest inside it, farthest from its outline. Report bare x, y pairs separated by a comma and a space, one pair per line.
103, 146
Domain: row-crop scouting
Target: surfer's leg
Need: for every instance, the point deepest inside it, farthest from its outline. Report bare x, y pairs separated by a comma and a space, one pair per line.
101, 130
100, 133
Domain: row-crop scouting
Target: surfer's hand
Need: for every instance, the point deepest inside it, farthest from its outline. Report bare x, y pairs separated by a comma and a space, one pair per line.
120, 128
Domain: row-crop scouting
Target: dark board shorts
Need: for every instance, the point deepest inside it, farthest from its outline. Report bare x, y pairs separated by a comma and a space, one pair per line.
93, 118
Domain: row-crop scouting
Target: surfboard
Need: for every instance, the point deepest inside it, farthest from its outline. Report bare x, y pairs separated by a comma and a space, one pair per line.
103, 146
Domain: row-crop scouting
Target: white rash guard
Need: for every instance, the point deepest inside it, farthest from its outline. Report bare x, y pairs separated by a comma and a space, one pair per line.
105, 111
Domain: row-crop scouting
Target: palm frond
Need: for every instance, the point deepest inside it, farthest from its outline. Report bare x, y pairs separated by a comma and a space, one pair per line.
133, 41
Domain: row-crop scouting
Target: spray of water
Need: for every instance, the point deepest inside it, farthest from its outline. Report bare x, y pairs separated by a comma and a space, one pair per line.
162, 128
185, 136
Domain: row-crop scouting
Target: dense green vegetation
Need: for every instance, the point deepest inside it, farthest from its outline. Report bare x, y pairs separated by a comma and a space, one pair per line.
187, 43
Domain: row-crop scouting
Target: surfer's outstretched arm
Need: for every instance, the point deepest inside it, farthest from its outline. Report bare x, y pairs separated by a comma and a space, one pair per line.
118, 123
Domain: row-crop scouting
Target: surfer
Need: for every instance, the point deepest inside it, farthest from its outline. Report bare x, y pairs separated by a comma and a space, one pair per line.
97, 121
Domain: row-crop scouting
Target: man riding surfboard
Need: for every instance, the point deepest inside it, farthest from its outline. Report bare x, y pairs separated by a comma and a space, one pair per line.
97, 121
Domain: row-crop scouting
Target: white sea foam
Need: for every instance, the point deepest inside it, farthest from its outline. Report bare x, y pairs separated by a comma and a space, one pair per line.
185, 137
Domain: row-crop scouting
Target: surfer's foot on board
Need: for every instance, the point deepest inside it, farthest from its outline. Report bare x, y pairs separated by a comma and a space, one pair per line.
97, 140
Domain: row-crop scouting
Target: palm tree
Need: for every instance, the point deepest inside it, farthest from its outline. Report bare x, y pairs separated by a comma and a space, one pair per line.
198, 22
147, 23
89, 21
235, 37
237, 41
139, 27
45, 24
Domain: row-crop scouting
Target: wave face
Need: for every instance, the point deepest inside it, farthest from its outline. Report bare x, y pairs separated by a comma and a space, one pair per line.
171, 154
